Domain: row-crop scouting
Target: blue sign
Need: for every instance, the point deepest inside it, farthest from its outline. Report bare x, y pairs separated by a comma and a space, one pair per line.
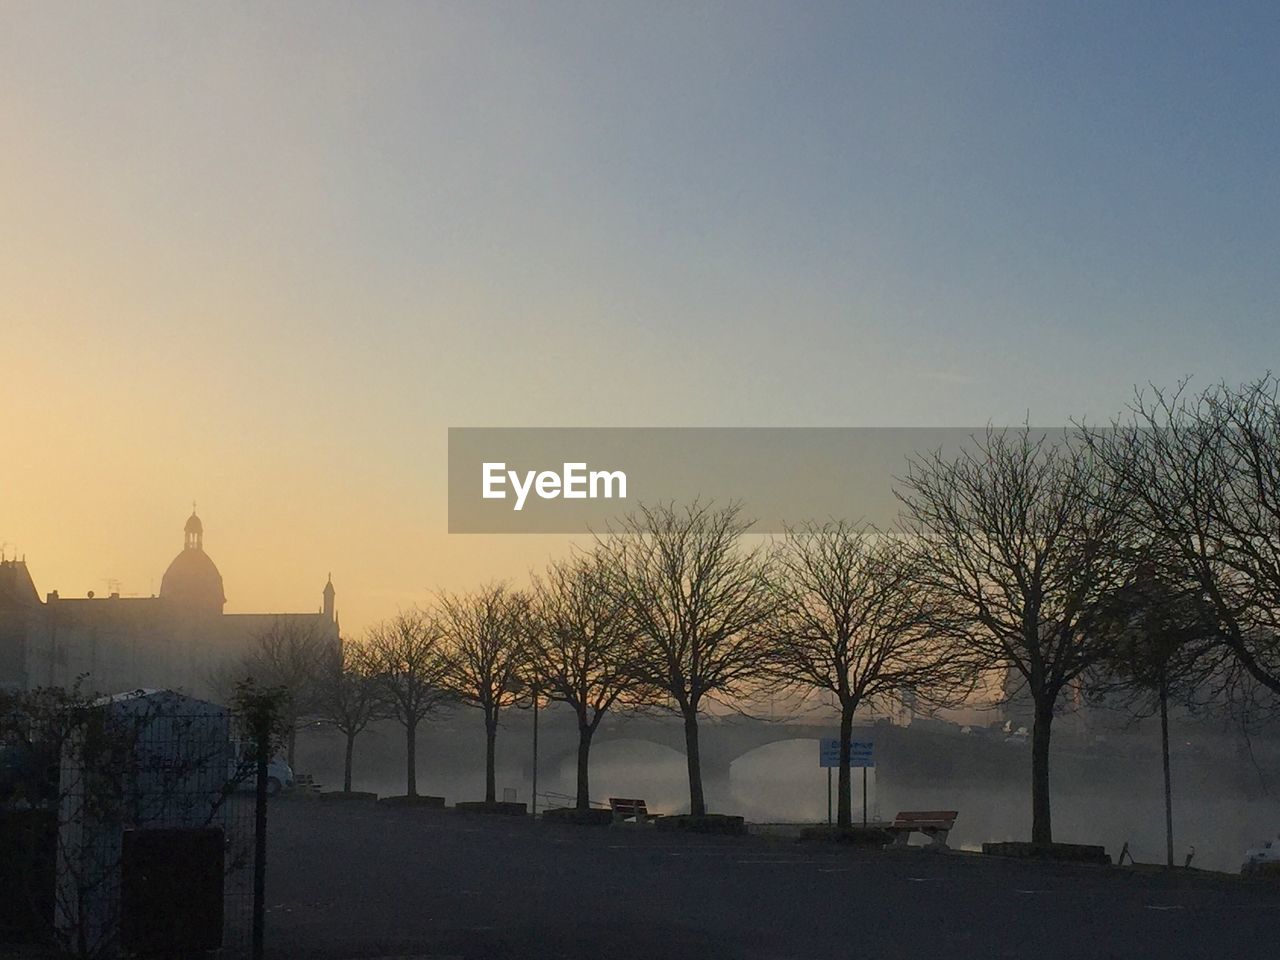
861, 753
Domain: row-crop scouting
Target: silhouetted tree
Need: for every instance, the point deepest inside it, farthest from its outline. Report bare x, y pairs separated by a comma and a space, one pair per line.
1201, 473
290, 655
1159, 631
349, 697
578, 649
699, 606
1020, 540
853, 619
487, 640
266, 715
35, 725
405, 656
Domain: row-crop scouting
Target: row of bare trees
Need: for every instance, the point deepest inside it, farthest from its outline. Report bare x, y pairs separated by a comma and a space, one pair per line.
671, 609
1145, 555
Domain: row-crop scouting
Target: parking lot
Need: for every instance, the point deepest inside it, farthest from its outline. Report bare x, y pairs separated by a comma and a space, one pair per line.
357, 881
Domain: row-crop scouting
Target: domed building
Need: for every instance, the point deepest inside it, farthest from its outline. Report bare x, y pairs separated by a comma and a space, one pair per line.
192, 581
180, 639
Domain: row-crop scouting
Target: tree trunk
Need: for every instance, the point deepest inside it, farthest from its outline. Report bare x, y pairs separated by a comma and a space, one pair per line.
844, 814
346, 765
1041, 825
293, 741
584, 774
258, 935
1168, 788
490, 750
411, 758
697, 804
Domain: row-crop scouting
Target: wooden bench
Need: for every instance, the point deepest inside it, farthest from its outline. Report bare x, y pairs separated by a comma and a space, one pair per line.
634, 811
934, 824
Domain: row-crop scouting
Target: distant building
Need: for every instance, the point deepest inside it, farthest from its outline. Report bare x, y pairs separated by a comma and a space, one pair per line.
178, 639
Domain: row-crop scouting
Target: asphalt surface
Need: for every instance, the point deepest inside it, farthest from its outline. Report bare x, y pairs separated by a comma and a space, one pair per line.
362, 881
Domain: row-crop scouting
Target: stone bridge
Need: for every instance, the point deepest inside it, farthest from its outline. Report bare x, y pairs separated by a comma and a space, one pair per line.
721, 740
914, 760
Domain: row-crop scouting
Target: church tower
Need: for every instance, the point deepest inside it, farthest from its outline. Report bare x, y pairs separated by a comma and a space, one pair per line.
329, 594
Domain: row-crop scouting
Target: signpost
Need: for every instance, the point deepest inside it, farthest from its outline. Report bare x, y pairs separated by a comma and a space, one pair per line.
861, 754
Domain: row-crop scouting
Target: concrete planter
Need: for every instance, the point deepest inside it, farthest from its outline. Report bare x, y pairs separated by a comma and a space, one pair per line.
435, 803
503, 807
349, 796
855, 836
709, 823
582, 818
1061, 852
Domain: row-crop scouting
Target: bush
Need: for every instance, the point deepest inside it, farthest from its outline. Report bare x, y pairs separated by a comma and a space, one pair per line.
856, 836
583, 818
707, 823
1061, 852
1261, 871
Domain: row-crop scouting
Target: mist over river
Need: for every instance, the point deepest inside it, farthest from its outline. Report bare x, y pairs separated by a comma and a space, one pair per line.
1225, 790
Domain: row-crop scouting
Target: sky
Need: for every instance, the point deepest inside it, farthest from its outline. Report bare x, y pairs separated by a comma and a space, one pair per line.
263, 255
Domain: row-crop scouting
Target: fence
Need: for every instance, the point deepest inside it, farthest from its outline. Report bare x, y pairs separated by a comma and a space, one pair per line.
141, 827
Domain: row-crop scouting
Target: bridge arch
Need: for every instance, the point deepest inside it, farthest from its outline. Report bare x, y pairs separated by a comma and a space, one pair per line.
781, 781
623, 766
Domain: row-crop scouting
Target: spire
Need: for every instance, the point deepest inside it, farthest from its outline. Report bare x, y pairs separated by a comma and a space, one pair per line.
329, 594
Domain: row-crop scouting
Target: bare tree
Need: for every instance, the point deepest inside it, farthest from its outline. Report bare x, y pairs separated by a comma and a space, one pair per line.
1020, 540
578, 649
405, 656
699, 606
1201, 472
290, 655
349, 697
1160, 631
853, 619
262, 713
486, 635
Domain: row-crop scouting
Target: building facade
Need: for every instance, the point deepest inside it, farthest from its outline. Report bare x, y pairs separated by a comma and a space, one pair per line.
181, 639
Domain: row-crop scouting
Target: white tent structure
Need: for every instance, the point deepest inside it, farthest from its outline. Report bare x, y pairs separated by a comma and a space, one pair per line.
141, 763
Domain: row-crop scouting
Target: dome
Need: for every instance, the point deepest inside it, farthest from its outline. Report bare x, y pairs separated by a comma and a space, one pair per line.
194, 583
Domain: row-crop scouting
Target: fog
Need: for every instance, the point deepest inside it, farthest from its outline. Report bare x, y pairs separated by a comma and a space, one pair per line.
1220, 814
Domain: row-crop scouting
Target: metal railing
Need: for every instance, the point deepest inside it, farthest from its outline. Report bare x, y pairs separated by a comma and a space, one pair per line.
550, 798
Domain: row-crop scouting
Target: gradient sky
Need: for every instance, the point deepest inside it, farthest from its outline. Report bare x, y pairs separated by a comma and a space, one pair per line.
263, 255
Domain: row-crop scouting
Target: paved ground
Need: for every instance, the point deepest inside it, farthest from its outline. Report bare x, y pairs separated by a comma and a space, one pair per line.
365, 881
